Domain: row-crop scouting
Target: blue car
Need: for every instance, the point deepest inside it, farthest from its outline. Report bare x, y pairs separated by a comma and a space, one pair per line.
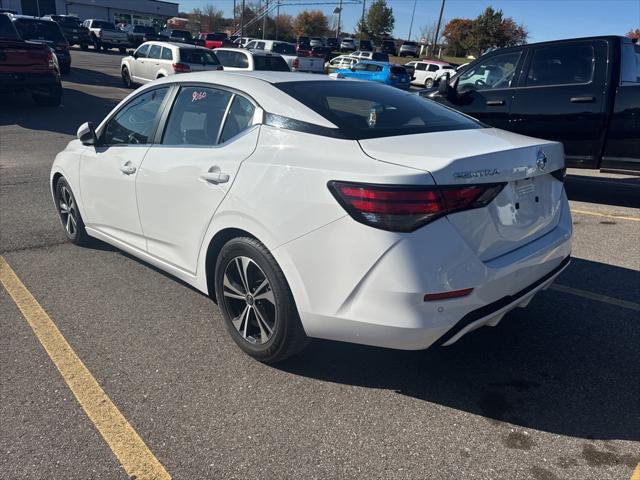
394, 75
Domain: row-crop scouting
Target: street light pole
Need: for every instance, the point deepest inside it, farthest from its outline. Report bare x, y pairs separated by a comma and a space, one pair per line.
264, 19
277, 17
435, 40
412, 15
338, 26
364, 2
242, 22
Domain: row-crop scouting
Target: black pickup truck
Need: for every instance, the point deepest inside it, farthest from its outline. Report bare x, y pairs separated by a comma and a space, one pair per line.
584, 92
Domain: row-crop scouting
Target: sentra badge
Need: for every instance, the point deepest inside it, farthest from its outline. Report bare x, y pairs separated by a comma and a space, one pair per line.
487, 172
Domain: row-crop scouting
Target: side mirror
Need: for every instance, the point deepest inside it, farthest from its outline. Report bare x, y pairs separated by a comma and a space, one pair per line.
87, 134
444, 88
132, 53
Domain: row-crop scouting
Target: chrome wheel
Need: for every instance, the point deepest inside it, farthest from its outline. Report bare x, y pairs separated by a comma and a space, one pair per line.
68, 212
249, 299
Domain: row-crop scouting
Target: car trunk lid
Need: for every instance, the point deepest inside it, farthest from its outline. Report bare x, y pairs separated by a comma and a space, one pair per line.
527, 207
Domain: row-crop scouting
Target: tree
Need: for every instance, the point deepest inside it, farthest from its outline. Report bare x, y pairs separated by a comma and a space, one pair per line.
428, 31
312, 23
457, 34
634, 33
285, 26
378, 22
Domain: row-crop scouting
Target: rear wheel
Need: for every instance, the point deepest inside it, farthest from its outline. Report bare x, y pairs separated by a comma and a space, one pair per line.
84, 46
256, 302
52, 99
69, 214
428, 83
65, 69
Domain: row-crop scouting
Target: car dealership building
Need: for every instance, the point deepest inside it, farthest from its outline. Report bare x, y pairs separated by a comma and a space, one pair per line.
130, 12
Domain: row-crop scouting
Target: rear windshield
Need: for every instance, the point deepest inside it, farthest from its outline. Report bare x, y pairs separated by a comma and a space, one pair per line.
216, 36
268, 62
181, 33
66, 21
6, 28
103, 25
380, 57
398, 70
412, 44
200, 56
39, 30
368, 110
284, 48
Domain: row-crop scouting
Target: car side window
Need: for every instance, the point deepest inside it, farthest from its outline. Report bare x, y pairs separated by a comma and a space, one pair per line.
561, 65
239, 118
135, 122
154, 51
143, 51
196, 116
360, 67
167, 54
433, 68
259, 46
496, 71
251, 45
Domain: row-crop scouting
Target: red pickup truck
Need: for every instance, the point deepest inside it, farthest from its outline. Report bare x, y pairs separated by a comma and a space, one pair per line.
28, 66
213, 40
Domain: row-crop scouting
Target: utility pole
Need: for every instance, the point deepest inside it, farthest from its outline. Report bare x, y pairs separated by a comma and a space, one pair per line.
277, 17
435, 40
338, 25
412, 15
235, 26
364, 2
264, 19
242, 23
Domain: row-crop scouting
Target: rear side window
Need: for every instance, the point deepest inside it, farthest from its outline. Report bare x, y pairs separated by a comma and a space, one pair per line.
167, 54
200, 56
232, 59
272, 63
135, 122
630, 63
363, 110
154, 51
284, 48
39, 30
561, 65
433, 68
6, 28
240, 118
196, 116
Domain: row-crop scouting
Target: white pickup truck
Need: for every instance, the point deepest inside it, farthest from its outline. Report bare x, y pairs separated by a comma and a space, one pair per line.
105, 35
288, 52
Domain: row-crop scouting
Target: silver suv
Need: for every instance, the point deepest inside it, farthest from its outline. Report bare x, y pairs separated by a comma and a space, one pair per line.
409, 49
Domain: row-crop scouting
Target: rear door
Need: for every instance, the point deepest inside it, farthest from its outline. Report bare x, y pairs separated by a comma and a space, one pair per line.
485, 90
208, 133
561, 97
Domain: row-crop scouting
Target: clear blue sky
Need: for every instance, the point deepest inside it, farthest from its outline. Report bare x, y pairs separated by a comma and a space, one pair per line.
544, 19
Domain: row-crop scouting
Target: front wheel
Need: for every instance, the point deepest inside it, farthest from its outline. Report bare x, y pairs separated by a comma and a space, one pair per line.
69, 214
257, 305
126, 78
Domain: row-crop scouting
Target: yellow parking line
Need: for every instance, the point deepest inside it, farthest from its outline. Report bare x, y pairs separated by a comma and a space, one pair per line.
125, 443
596, 296
636, 473
598, 214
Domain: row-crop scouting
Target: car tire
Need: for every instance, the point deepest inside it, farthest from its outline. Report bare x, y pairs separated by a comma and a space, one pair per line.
97, 45
105, 48
65, 69
428, 83
266, 327
69, 214
84, 46
126, 77
52, 100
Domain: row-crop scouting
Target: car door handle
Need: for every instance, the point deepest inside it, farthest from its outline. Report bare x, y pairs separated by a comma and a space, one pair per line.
215, 176
495, 103
582, 99
128, 169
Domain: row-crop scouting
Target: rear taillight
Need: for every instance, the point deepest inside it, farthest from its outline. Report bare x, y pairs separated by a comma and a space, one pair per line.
181, 68
295, 63
406, 208
51, 60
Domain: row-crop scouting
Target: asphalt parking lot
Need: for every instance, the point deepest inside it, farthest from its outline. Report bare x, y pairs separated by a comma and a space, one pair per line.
551, 393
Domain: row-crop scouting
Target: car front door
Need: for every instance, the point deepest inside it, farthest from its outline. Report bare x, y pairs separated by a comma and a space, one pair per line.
108, 171
208, 133
138, 64
153, 62
485, 90
562, 97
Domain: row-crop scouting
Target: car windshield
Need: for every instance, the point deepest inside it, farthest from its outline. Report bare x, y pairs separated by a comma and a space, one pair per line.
216, 36
103, 25
364, 110
6, 28
143, 29
65, 21
284, 48
198, 55
270, 62
39, 30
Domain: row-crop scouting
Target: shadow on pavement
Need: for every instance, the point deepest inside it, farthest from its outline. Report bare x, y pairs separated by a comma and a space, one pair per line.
85, 76
564, 365
77, 107
621, 192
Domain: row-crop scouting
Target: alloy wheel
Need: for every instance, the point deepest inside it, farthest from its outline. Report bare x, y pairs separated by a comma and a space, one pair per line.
68, 212
249, 299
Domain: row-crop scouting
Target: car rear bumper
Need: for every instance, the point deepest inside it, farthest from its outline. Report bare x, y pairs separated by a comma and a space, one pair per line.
367, 286
44, 83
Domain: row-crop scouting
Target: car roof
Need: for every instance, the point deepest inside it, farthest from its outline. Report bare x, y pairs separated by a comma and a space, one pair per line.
255, 53
261, 86
375, 62
174, 44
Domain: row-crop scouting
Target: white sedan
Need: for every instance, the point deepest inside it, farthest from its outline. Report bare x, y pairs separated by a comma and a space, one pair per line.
308, 207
